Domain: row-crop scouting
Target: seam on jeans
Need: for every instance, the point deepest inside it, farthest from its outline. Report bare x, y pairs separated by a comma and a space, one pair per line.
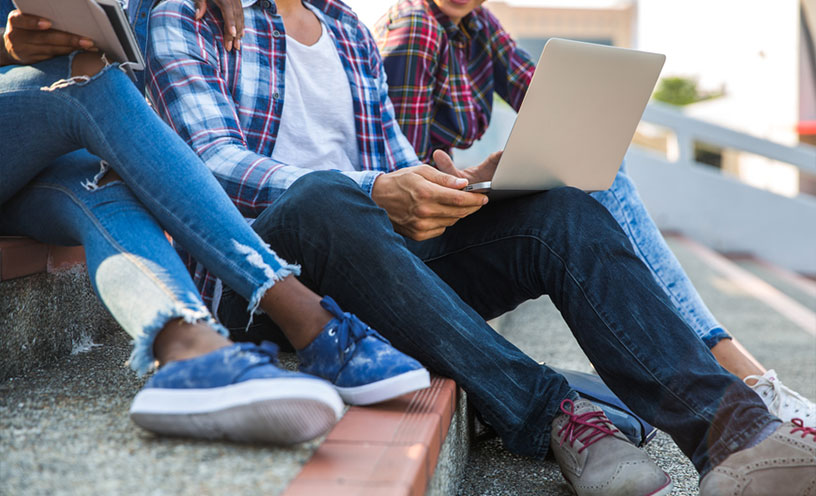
692, 409
655, 272
129, 256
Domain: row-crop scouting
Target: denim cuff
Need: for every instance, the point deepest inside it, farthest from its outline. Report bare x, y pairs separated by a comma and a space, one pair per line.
714, 336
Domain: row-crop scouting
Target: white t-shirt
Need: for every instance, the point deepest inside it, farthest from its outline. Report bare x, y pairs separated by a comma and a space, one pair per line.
317, 124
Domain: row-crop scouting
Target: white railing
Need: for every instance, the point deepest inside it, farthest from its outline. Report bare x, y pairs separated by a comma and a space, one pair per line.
718, 209
688, 131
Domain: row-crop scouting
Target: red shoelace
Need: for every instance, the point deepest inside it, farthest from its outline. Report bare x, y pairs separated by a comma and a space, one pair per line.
593, 426
800, 426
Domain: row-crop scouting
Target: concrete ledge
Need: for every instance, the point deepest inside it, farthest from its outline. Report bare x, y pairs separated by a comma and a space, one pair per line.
47, 316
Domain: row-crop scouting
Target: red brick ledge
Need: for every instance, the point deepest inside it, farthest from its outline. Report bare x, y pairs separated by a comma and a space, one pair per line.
21, 257
387, 449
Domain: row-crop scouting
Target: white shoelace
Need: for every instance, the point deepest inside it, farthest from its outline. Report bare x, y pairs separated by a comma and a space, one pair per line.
781, 400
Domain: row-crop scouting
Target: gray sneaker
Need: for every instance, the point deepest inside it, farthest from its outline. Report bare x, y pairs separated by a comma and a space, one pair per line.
784, 464
598, 460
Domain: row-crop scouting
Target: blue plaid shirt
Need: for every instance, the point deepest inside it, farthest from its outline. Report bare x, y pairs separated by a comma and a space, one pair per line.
228, 105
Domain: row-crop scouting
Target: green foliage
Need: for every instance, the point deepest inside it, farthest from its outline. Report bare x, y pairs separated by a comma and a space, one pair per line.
680, 91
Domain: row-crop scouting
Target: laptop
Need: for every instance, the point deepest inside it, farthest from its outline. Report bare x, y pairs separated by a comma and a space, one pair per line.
577, 119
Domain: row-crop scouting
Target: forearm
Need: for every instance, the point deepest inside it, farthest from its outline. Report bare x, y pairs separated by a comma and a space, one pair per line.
254, 181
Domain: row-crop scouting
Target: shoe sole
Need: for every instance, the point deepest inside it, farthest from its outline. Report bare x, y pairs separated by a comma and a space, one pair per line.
663, 491
277, 411
385, 389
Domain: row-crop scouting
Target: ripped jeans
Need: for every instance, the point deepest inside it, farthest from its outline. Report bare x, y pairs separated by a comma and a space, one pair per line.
57, 138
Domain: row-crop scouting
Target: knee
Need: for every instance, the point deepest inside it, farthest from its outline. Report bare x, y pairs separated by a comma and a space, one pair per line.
323, 198
571, 203
583, 218
87, 64
323, 188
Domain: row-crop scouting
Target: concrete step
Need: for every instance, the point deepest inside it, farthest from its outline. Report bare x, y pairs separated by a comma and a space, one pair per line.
795, 286
47, 306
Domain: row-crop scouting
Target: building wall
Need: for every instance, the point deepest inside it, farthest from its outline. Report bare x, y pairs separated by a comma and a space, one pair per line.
612, 24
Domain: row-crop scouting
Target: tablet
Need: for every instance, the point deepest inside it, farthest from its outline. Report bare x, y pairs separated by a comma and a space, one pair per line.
103, 21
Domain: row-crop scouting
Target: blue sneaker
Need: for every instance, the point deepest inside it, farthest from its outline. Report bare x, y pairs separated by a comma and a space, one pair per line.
236, 393
362, 365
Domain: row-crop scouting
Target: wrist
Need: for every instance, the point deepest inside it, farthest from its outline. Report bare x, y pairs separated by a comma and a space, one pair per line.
377, 188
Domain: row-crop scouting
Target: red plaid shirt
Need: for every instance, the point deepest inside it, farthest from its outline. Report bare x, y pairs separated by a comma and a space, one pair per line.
442, 76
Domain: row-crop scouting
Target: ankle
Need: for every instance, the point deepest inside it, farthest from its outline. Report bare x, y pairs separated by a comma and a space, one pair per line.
296, 310
179, 340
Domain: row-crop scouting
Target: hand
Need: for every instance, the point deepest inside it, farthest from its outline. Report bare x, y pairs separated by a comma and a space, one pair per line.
29, 39
476, 174
233, 13
422, 202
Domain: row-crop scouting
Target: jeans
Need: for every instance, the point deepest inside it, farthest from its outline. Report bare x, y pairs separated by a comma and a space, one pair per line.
431, 300
49, 191
624, 203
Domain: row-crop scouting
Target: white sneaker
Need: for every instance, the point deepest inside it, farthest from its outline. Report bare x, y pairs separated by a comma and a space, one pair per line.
782, 401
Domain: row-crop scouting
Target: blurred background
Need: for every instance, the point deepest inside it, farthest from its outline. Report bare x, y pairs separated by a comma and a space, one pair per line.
724, 153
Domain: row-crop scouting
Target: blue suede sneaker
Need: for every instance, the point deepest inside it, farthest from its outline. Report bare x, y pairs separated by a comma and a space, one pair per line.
362, 365
236, 393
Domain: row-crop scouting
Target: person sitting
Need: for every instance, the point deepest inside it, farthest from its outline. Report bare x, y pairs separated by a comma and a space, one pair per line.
426, 263
444, 60
78, 127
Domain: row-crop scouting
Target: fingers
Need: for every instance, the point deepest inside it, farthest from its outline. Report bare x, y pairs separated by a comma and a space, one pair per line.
17, 19
434, 201
30, 39
232, 12
60, 39
47, 36
441, 178
200, 9
444, 163
238, 16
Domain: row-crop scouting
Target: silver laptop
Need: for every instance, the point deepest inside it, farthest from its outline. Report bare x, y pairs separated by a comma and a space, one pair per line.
577, 119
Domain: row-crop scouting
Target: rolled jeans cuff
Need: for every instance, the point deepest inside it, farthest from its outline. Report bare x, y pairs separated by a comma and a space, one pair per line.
142, 359
714, 336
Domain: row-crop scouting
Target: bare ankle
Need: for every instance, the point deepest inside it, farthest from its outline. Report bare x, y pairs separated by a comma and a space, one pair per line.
180, 340
296, 310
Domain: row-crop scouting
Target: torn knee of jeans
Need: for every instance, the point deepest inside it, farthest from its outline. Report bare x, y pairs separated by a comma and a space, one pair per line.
88, 64
84, 68
93, 184
110, 177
